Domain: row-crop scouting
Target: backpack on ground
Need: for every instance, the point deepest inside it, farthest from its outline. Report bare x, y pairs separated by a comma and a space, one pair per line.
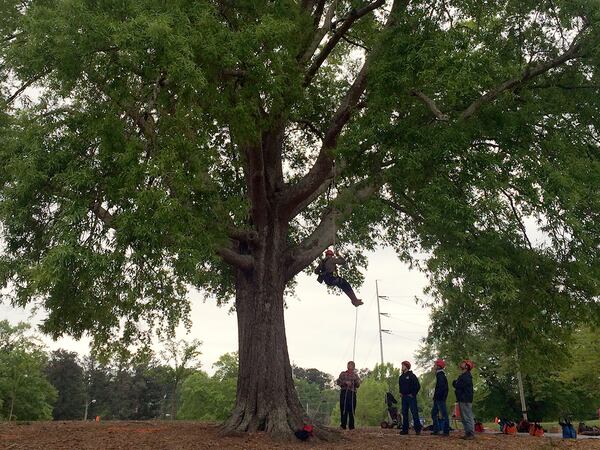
509, 428
568, 430
535, 429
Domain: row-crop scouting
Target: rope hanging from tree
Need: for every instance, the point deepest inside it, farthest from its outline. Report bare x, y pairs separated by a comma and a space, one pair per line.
333, 186
355, 328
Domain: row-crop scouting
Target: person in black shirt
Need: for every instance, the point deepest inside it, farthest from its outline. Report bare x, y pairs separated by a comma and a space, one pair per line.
463, 388
439, 400
409, 388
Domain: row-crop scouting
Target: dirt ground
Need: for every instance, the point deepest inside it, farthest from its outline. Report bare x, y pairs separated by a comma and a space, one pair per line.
159, 435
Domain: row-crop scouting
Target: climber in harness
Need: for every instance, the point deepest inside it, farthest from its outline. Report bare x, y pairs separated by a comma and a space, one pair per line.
326, 271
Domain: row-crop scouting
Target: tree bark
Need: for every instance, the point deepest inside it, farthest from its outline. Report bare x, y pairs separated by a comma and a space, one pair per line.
266, 396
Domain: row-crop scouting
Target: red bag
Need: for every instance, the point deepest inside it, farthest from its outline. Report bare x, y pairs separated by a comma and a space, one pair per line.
535, 429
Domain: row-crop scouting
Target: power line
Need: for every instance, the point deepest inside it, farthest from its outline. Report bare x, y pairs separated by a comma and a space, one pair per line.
389, 316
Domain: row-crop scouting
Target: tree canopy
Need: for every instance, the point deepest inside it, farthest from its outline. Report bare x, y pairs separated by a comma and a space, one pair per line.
124, 174
149, 147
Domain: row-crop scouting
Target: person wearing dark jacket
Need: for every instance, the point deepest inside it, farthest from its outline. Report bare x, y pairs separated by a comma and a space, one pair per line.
463, 388
409, 388
439, 400
327, 272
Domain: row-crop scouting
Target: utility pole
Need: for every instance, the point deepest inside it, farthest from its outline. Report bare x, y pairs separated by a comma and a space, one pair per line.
521, 390
87, 405
379, 319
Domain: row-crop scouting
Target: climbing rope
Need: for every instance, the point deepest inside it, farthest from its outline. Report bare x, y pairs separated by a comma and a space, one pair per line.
355, 327
329, 189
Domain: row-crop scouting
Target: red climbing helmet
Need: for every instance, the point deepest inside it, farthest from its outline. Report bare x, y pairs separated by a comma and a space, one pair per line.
468, 363
329, 252
407, 364
440, 363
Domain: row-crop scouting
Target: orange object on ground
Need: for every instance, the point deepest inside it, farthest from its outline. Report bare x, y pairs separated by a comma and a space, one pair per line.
535, 429
456, 411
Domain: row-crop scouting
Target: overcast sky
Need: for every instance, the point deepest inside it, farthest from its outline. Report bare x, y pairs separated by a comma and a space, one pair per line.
320, 326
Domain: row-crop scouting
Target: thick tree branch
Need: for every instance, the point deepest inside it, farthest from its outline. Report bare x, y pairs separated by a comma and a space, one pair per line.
307, 5
272, 143
247, 236
320, 33
233, 73
318, 12
243, 262
302, 255
318, 177
529, 74
321, 172
431, 105
102, 213
339, 33
254, 171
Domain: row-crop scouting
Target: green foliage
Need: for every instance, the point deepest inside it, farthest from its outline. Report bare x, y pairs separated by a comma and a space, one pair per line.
210, 398
25, 392
315, 393
205, 398
65, 373
579, 376
321, 379
370, 402
554, 385
227, 366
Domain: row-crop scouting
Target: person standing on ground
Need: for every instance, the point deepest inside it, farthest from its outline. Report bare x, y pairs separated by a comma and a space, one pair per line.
409, 388
463, 387
439, 399
349, 382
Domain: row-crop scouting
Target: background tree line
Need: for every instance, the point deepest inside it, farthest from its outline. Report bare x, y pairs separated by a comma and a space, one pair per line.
39, 385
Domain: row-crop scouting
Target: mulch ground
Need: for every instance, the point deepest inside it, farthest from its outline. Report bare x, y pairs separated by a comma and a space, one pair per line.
160, 435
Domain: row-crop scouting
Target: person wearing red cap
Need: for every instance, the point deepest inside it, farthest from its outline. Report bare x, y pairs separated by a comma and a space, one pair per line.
409, 388
440, 395
327, 272
463, 387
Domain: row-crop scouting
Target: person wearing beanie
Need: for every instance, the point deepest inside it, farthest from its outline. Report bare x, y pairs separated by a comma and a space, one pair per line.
409, 388
463, 387
349, 382
440, 395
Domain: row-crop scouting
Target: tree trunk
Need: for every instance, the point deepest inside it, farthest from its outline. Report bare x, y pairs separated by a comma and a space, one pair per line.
266, 395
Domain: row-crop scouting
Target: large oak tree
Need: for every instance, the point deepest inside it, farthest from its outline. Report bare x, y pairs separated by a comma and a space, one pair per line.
150, 146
